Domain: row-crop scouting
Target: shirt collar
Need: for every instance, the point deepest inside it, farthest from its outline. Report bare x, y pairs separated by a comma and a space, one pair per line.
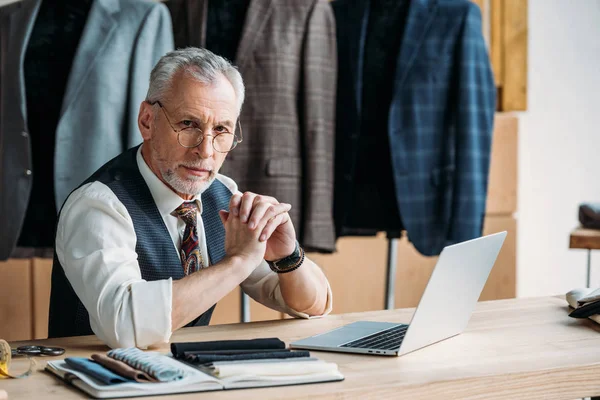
165, 198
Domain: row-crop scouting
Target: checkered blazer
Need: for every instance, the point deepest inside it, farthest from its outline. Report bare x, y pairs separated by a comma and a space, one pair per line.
287, 58
440, 124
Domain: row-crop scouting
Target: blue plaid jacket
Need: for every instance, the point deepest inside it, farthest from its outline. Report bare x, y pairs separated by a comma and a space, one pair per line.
441, 118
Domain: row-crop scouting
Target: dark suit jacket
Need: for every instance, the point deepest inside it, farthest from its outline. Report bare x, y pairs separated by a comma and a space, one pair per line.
440, 124
121, 42
287, 59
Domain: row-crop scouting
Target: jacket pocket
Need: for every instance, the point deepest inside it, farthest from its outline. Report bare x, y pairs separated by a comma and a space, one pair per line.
284, 166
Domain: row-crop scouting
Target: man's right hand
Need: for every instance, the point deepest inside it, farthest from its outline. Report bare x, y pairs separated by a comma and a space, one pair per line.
242, 240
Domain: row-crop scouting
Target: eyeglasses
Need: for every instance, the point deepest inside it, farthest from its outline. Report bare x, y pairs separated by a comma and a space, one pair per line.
189, 135
37, 351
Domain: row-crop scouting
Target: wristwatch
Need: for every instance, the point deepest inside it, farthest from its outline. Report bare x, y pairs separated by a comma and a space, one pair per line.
289, 263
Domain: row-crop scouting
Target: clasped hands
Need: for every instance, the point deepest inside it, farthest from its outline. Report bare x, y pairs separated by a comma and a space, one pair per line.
258, 227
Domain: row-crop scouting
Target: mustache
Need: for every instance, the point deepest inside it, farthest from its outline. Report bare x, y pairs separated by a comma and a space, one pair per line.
191, 164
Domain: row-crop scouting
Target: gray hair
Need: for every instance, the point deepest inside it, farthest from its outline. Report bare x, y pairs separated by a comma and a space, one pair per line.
203, 65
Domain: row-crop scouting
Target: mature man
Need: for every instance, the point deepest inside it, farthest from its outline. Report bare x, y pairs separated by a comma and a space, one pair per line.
153, 239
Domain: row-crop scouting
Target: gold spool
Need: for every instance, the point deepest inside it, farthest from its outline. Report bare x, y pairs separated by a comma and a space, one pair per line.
5, 359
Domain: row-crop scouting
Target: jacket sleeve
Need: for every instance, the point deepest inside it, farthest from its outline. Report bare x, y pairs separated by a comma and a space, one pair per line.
476, 104
318, 133
154, 40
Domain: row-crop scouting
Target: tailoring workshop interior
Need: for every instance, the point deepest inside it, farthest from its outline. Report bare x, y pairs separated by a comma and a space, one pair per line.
506, 140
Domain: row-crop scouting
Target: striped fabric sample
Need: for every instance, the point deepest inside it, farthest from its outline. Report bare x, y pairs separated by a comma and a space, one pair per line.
149, 363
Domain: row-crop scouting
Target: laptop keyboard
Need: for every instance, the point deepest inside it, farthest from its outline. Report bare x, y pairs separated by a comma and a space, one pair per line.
389, 339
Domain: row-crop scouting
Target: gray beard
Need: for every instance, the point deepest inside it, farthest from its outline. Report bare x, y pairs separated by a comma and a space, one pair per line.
192, 187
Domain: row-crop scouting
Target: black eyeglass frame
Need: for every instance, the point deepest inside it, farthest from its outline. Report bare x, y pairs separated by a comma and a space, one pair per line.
236, 139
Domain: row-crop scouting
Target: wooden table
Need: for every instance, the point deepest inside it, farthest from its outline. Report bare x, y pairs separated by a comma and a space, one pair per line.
588, 239
512, 349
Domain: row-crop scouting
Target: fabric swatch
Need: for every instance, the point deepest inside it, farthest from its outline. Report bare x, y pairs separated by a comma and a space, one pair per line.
95, 370
122, 369
149, 363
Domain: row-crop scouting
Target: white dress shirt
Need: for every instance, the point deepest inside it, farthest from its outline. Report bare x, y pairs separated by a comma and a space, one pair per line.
95, 243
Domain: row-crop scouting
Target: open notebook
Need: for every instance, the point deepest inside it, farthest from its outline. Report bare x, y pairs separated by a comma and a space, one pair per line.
231, 376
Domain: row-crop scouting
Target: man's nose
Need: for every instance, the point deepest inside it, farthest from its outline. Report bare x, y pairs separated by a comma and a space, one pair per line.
205, 149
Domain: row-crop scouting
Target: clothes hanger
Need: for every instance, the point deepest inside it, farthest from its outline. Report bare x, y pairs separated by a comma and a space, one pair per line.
7, 2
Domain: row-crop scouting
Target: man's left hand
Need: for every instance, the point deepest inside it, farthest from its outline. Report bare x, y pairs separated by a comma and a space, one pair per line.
279, 232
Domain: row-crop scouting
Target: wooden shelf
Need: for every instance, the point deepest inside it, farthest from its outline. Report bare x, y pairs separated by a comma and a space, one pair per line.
582, 238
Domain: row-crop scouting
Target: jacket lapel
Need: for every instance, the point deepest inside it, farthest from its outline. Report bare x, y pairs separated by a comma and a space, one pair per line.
256, 19
29, 8
97, 33
420, 16
362, 20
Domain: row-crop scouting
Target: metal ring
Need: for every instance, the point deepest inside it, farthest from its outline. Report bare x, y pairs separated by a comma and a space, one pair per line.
52, 351
29, 350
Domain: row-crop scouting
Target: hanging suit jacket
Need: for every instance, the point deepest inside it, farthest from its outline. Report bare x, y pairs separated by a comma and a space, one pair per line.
440, 123
121, 43
287, 59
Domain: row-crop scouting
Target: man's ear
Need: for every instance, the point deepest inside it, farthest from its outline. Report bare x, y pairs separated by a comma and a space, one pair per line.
146, 120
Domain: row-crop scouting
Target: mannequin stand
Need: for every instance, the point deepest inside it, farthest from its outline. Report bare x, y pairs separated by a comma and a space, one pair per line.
390, 289
245, 308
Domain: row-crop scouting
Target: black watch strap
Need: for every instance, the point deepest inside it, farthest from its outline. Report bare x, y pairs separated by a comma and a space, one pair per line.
289, 263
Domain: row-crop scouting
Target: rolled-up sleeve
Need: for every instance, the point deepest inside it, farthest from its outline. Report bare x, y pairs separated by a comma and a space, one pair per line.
263, 286
95, 244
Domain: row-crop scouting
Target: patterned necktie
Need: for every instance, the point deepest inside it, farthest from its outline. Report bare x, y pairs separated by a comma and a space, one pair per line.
191, 259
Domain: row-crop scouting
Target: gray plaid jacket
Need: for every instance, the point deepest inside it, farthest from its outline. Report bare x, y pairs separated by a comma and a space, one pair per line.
287, 58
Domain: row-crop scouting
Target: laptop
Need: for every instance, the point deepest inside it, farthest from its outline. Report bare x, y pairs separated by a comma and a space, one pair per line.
443, 311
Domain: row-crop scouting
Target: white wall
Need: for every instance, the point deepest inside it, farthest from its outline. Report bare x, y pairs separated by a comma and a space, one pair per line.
559, 145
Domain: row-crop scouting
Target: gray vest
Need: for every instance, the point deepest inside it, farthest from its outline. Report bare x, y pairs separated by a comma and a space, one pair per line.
157, 257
